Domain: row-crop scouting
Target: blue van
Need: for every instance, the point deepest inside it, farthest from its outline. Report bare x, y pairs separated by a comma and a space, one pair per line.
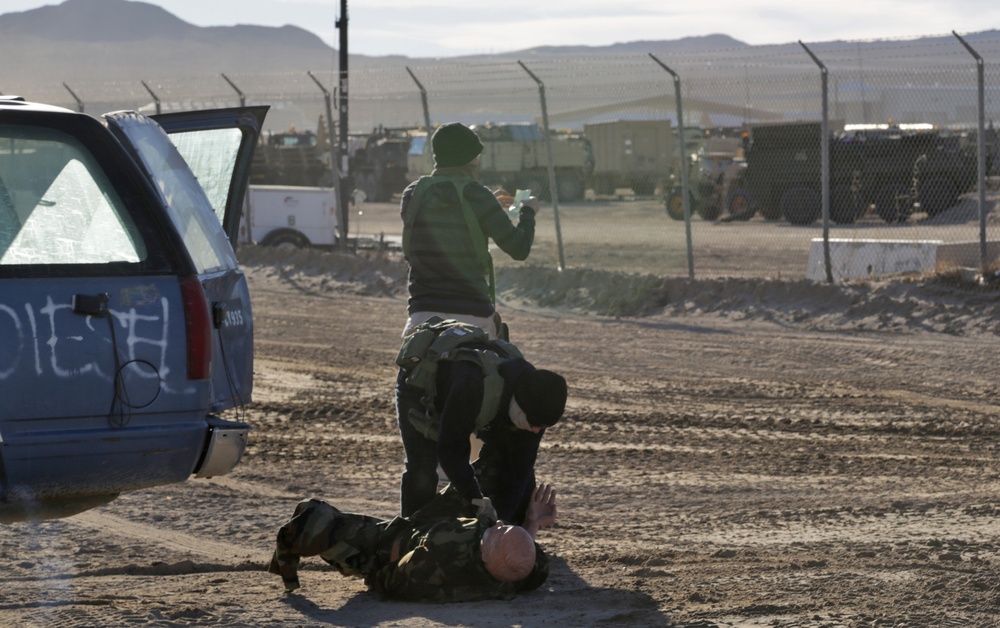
125, 320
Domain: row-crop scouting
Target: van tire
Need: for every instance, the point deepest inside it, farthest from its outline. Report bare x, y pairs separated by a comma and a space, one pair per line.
286, 241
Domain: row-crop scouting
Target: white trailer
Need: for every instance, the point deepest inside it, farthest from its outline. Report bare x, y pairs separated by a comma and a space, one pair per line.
289, 216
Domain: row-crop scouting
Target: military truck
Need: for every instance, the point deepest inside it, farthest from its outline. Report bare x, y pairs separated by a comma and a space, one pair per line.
515, 157
380, 165
895, 169
291, 158
635, 154
716, 173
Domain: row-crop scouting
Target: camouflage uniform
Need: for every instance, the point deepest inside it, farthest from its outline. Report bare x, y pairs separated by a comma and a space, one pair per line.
439, 555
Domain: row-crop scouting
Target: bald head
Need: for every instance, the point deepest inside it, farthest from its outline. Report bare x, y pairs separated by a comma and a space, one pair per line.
508, 552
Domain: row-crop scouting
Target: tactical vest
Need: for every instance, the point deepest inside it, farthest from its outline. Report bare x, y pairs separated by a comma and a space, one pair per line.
436, 340
478, 239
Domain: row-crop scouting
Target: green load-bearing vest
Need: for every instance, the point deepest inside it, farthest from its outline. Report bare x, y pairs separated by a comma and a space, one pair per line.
438, 339
478, 239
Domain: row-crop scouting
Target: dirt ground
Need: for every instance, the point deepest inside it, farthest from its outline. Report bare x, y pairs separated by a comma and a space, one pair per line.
735, 453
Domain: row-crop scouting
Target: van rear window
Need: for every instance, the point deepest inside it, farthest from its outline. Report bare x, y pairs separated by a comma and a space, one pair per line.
56, 204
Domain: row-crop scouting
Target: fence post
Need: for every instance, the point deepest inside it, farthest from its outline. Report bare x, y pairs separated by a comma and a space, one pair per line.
427, 110
685, 194
156, 99
981, 148
554, 191
79, 103
824, 167
332, 147
243, 98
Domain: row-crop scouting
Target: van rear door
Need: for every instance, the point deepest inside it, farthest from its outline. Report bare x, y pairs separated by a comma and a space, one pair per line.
201, 170
218, 145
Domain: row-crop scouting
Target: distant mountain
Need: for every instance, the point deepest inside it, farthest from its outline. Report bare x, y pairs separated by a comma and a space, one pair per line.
81, 40
121, 21
117, 39
122, 40
685, 44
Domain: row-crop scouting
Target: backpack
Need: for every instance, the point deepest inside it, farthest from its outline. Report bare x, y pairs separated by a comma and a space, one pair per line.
438, 339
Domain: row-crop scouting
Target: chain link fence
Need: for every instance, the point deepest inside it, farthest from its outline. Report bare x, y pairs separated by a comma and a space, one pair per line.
735, 177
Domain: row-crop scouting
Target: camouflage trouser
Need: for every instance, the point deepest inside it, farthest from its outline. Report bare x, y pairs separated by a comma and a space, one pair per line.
354, 544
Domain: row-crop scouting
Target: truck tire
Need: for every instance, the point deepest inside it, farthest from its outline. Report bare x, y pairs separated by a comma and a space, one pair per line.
602, 184
771, 211
740, 204
675, 205
845, 205
937, 195
569, 186
893, 203
801, 206
369, 186
285, 240
709, 211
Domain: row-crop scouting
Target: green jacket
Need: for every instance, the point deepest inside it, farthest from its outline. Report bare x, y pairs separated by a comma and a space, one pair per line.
448, 220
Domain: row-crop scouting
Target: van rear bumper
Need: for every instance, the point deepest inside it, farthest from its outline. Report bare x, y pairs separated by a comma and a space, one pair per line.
227, 440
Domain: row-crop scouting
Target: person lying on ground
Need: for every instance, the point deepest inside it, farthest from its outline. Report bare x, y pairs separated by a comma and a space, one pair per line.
437, 555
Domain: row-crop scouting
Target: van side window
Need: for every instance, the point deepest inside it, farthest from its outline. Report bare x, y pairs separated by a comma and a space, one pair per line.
211, 154
56, 205
187, 204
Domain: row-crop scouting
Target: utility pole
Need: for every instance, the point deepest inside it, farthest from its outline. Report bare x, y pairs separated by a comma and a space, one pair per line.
346, 183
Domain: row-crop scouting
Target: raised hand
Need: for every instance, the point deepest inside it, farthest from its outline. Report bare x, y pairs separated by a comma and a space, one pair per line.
542, 510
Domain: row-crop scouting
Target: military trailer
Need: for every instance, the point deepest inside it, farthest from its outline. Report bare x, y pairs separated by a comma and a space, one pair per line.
635, 154
894, 170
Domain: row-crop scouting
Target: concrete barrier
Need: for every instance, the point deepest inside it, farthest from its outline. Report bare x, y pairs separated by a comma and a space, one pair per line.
859, 258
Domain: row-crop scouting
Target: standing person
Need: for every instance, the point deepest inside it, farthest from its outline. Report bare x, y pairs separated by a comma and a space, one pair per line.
456, 382
448, 220
440, 554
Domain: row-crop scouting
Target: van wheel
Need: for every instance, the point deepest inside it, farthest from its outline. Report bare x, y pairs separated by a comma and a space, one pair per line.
287, 242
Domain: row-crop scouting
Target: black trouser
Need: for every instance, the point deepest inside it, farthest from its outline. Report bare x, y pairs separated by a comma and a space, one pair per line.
419, 482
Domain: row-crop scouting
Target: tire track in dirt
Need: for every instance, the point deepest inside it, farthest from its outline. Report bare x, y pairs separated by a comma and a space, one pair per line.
110, 525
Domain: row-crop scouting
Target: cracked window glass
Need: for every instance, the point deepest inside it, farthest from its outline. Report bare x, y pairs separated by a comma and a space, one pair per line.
56, 205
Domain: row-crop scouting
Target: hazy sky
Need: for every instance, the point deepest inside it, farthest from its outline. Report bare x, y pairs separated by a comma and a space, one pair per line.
444, 28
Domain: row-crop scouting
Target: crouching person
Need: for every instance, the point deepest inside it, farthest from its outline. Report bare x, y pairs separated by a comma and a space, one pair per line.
455, 382
437, 555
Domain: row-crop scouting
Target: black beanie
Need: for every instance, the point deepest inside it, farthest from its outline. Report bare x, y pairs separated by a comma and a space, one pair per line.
542, 396
455, 144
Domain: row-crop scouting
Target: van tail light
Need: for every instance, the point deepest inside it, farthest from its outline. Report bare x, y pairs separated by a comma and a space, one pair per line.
198, 325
